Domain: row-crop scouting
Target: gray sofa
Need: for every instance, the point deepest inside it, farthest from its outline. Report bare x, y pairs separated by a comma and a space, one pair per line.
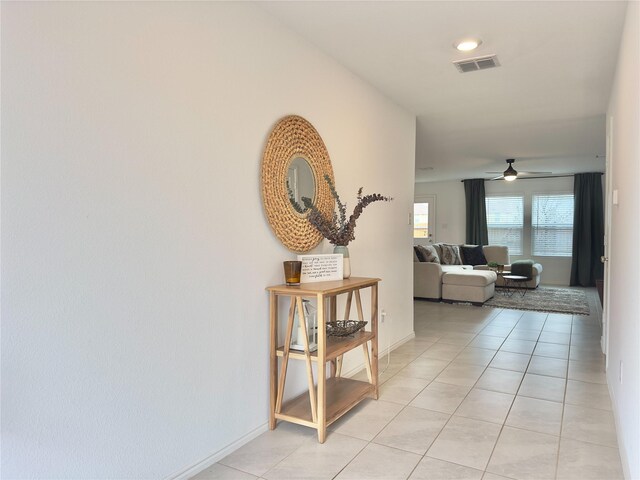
428, 276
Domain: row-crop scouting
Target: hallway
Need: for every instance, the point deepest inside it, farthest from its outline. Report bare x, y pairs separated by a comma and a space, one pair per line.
480, 393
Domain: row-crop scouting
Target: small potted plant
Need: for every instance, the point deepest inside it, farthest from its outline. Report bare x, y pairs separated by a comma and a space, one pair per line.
496, 267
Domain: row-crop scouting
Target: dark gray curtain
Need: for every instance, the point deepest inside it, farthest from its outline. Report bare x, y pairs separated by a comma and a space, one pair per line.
588, 229
476, 212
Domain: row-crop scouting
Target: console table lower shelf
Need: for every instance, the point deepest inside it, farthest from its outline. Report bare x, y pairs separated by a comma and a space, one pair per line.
342, 395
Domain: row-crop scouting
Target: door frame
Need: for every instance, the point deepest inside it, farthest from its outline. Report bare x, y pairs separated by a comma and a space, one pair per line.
604, 340
431, 200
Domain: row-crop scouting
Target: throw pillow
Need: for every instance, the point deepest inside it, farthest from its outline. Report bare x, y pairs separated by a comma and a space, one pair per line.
427, 254
450, 254
473, 255
438, 248
420, 253
432, 255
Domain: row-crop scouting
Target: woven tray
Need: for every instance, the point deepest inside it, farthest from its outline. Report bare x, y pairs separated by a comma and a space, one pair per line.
344, 328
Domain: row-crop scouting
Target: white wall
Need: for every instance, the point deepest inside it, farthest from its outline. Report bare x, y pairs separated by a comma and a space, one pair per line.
451, 216
624, 307
134, 247
450, 209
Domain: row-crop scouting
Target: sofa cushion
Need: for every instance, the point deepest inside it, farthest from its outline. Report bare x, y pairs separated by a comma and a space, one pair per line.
479, 278
450, 254
497, 253
473, 255
456, 268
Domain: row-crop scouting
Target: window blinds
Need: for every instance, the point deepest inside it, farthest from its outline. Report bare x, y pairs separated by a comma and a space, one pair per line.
505, 222
552, 225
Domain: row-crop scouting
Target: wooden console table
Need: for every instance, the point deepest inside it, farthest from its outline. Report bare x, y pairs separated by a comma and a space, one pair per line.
331, 397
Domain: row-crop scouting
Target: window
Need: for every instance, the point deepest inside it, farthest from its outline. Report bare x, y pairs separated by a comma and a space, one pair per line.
420, 220
552, 225
504, 221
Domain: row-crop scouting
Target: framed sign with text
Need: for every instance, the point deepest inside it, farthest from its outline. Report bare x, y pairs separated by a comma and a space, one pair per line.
320, 268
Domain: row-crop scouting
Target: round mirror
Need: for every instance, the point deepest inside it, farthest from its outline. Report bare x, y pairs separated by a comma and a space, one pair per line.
294, 166
301, 184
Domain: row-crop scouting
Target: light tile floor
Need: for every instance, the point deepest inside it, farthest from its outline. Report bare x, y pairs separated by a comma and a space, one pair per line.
480, 393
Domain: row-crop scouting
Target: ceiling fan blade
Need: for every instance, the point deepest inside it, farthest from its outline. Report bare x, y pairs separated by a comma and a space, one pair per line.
535, 173
498, 177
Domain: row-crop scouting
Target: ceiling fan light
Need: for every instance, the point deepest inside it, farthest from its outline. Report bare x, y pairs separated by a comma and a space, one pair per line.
510, 174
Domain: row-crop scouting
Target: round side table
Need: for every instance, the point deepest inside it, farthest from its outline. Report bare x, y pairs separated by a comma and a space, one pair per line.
513, 283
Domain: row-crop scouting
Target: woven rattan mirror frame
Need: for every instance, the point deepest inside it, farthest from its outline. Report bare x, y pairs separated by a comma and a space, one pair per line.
293, 136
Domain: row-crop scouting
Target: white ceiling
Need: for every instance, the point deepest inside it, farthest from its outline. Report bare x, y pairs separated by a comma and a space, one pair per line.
544, 106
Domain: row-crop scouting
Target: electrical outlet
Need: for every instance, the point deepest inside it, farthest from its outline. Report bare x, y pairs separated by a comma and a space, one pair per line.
383, 315
621, 371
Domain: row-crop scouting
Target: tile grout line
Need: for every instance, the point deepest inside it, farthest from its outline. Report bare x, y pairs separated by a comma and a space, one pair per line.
564, 402
510, 407
354, 457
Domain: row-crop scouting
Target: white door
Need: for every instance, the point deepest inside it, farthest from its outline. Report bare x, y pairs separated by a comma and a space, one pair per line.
424, 219
604, 342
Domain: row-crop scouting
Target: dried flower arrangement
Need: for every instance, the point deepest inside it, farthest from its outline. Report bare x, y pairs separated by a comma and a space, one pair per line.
338, 230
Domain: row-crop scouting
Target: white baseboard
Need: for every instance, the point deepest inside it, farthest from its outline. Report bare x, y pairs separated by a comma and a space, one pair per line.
219, 455
624, 459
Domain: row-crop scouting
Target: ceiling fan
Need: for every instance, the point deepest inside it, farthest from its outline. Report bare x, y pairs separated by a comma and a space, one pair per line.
510, 174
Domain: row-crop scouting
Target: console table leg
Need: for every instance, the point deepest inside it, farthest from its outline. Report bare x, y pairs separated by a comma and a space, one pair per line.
367, 361
322, 372
273, 361
285, 356
374, 340
312, 390
359, 306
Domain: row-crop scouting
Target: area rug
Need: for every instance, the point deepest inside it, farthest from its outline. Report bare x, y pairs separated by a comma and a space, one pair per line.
543, 299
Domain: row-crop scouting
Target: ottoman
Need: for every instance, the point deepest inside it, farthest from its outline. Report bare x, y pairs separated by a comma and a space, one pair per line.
475, 286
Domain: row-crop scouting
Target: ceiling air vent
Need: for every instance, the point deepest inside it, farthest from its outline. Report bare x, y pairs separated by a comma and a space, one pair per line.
478, 63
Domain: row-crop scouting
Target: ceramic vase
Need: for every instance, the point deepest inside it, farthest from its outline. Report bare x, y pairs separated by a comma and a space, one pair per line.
346, 262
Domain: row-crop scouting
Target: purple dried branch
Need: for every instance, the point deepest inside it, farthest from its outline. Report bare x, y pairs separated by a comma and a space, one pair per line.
338, 230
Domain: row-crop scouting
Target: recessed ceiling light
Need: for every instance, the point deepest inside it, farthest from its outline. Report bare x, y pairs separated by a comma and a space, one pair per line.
467, 45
